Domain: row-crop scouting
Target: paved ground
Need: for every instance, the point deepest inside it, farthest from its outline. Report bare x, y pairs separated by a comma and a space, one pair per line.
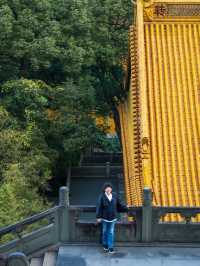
128, 256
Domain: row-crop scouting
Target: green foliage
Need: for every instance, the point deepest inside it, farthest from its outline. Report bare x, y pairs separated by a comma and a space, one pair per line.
24, 165
111, 20
36, 146
58, 41
60, 63
17, 196
109, 144
25, 99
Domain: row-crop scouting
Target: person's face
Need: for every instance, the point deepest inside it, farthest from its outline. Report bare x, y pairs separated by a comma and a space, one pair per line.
108, 190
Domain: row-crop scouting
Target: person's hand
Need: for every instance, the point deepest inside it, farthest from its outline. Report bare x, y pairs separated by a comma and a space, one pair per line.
98, 220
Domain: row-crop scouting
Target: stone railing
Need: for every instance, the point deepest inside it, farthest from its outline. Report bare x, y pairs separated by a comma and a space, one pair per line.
154, 229
54, 231
64, 225
89, 231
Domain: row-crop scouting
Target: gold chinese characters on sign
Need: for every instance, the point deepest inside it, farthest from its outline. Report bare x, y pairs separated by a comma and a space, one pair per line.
169, 11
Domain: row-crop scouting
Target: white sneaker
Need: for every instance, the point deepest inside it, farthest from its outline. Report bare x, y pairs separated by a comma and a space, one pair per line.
111, 250
105, 249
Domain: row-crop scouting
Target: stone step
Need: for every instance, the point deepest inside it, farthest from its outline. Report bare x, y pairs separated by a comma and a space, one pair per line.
100, 164
103, 158
102, 153
50, 258
85, 191
95, 170
95, 176
87, 180
36, 261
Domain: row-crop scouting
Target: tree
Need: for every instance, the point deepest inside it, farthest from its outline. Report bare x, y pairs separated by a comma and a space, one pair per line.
24, 172
60, 65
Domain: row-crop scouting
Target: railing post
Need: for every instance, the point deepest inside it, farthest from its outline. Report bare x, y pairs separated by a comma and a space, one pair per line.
17, 259
147, 215
64, 196
107, 169
64, 229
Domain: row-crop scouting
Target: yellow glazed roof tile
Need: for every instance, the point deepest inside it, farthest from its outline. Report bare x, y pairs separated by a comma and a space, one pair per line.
163, 107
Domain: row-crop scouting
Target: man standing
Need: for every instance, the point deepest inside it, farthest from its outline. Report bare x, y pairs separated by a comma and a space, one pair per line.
108, 206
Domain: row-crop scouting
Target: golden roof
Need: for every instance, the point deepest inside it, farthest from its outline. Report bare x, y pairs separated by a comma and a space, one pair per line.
160, 119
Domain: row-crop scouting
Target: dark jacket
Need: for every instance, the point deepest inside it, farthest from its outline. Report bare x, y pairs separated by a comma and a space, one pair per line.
108, 210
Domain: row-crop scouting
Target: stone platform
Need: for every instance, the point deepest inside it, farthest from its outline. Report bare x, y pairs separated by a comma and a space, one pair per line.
128, 256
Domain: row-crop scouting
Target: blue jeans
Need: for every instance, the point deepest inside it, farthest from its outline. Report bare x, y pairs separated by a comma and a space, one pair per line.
108, 233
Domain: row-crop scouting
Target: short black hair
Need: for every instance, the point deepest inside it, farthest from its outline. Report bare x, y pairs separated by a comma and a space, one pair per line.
107, 185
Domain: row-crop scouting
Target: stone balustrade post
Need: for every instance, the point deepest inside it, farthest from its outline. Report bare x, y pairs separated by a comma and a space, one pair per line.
147, 215
17, 259
107, 169
64, 226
